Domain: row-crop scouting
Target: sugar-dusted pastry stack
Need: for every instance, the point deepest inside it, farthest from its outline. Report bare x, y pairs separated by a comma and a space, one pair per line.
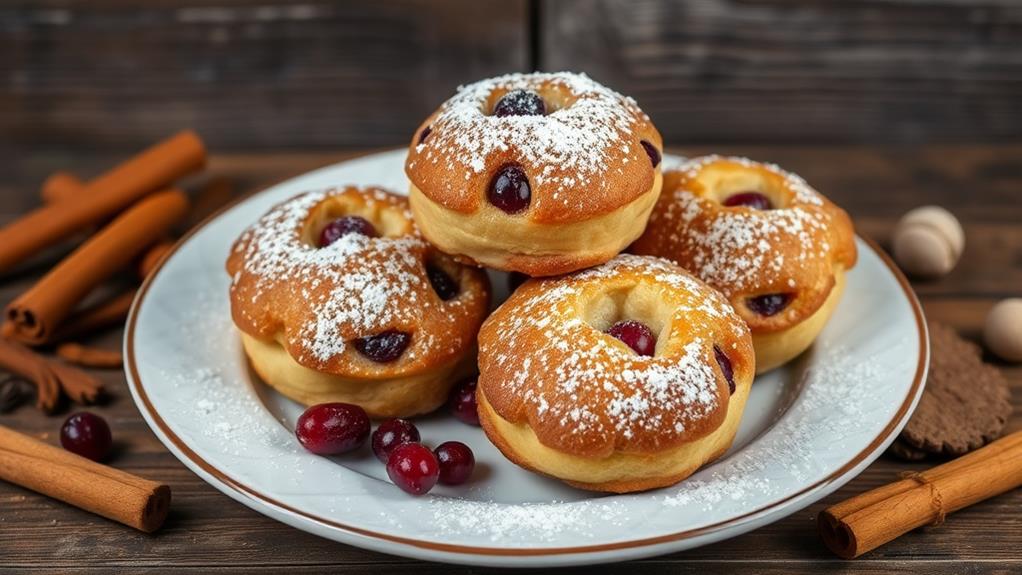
613, 372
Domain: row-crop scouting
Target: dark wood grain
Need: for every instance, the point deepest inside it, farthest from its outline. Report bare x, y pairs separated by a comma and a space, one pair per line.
292, 73
800, 71
246, 73
209, 533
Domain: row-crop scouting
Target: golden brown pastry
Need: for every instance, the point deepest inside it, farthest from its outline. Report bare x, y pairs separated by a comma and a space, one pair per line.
774, 246
339, 298
624, 377
536, 173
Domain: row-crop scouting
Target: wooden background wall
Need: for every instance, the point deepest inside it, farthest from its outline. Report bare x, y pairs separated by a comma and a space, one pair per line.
268, 74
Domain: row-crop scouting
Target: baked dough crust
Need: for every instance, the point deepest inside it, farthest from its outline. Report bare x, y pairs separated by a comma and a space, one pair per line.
801, 248
490, 238
300, 306
591, 180
560, 396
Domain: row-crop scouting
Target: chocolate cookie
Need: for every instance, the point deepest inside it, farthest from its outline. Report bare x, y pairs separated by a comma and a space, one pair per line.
964, 406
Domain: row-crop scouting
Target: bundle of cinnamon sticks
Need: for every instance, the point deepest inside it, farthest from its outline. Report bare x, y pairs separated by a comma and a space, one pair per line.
127, 216
869, 520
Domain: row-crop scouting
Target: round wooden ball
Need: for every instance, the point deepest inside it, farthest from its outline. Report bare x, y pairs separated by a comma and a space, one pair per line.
928, 241
1003, 330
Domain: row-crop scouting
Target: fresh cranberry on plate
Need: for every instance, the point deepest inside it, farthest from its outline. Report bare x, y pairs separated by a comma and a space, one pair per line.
413, 468
456, 462
463, 402
392, 433
332, 428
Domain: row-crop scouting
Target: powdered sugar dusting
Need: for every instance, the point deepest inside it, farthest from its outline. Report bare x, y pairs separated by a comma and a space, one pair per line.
627, 395
737, 251
566, 148
840, 379
527, 521
354, 287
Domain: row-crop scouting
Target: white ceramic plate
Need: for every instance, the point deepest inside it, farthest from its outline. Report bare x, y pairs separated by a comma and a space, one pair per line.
807, 429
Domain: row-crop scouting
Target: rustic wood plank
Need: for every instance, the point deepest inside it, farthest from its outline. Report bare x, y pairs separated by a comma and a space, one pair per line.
207, 532
801, 71
246, 73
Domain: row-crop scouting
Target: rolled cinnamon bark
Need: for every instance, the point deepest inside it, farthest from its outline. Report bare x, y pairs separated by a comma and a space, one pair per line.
105, 314
216, 193
153, 257
50, 377
103, 490
871, 519
86, 356
37, 313
107, 195
61, 186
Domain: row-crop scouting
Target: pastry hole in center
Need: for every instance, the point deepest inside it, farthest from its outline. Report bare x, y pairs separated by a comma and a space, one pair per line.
639, 303
383, 220
747, 187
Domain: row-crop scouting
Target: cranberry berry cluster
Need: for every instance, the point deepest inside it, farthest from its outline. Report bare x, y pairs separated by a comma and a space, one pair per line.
336, 428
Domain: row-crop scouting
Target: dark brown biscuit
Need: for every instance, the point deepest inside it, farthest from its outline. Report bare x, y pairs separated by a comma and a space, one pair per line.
904, 451
964, 406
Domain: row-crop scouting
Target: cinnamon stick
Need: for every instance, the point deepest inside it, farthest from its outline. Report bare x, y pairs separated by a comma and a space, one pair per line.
105, 314
107, 195
109, 312
215, 193
86, 356
36, 313
871, 519
50, 377
153, 257
97, 488
61, 186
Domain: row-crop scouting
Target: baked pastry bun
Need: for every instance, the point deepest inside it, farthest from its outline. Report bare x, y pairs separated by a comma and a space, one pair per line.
775, 247
624, 377
536, 173
339, 298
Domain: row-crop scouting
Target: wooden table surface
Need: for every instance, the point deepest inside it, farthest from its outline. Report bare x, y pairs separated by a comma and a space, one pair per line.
208, 532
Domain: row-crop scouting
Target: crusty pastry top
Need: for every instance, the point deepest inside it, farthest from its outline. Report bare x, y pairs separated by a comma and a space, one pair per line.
316, 300
793, 249
546, 361
583, 158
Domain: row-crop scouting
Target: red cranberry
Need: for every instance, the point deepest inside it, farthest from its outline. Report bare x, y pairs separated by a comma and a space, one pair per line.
635, 335
509, 190
725, 368
520, 103
341, 227
463, 402
425, 134
443, 284
86, 434
769, 304
392, 433
456, 462
383, 347
332, 428
754, 200
413, 468
515, 280
652, 152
